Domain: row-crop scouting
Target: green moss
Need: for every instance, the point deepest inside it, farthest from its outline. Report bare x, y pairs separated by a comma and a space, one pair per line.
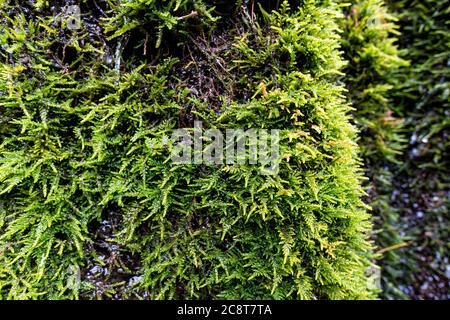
371, 76
422, 179
85, 114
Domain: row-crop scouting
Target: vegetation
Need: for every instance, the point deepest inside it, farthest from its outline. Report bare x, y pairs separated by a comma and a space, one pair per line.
422, 178
84, 136
92, 205
370, 44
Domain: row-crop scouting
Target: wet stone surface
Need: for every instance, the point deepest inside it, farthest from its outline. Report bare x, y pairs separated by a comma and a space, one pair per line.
112, 271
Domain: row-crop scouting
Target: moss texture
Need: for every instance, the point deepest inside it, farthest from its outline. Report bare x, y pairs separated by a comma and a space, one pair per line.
372, 76
83, 114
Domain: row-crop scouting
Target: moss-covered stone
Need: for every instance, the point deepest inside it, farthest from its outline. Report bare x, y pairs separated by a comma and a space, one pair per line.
84, 114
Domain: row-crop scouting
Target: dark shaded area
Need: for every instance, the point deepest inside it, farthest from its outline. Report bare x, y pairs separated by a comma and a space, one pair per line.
423, 199
111, 270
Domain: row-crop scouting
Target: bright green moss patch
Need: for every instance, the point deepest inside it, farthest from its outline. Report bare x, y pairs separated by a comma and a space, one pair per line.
84, 114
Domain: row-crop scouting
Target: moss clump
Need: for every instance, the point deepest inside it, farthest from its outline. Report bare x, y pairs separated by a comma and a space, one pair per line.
372, 76
84, 114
